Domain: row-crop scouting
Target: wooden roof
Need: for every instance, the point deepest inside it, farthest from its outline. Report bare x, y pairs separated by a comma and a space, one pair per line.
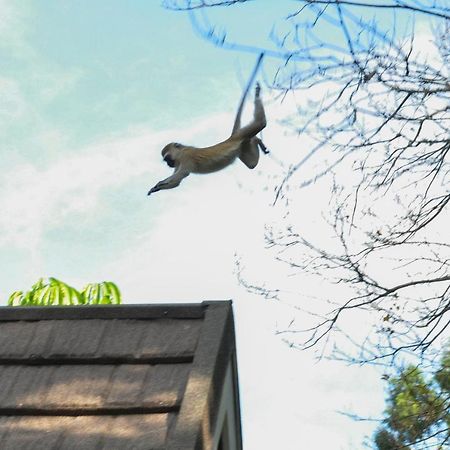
113, 377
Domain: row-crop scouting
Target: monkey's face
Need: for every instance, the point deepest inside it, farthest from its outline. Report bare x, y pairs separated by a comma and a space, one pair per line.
170, 162
170, 153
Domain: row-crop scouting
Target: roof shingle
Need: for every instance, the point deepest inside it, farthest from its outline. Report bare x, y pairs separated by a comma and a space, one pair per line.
112, 377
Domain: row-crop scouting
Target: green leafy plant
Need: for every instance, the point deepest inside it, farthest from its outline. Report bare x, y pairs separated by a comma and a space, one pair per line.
105, 293
55, 292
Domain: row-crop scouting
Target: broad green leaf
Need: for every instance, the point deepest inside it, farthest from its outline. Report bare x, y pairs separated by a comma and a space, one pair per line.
15, 298
56, 292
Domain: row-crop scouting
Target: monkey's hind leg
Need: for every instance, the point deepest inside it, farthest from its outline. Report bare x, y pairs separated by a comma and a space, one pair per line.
249, 153
259, 119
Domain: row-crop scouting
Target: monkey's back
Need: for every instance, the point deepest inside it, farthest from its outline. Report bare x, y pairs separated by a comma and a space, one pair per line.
214, 158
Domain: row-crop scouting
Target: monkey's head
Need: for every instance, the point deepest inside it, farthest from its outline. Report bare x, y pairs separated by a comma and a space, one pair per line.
171, 153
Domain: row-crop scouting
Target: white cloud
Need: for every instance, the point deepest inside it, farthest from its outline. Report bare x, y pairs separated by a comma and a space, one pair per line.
12, 103
8, 16
55, 81
35, 198
13, 27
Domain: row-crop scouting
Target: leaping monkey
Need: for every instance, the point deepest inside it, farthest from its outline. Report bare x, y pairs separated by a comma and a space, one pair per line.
243, 144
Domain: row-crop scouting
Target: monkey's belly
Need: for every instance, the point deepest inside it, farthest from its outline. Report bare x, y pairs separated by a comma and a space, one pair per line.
214, 164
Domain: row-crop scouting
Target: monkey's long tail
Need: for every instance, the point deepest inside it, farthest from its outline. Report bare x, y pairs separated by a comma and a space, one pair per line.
247, 88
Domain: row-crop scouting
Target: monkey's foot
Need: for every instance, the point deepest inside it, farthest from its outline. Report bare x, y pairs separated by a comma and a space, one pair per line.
263, 147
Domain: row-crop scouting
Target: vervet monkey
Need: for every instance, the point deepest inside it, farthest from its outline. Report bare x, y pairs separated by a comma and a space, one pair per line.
243, 144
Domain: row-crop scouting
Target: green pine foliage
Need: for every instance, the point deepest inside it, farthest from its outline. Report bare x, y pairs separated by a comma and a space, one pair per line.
418, 410
54, 292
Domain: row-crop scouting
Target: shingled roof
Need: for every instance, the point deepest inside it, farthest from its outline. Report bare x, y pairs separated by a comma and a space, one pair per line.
116, 377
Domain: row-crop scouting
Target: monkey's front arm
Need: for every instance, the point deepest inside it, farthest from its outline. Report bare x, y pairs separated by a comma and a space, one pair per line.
169, 183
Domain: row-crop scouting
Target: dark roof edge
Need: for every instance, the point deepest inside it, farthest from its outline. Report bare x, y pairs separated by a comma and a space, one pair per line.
199, 407
132, 311
237, 397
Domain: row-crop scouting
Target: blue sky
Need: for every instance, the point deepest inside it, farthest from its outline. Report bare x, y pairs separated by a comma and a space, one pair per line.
90, 91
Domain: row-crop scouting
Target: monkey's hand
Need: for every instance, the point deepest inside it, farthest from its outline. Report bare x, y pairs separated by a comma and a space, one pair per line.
171, 182
155, 188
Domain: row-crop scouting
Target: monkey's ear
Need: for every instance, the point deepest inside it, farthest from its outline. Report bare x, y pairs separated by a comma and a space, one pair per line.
177, 145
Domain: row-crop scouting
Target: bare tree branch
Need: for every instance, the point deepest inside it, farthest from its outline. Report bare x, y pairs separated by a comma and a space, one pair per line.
374, 97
